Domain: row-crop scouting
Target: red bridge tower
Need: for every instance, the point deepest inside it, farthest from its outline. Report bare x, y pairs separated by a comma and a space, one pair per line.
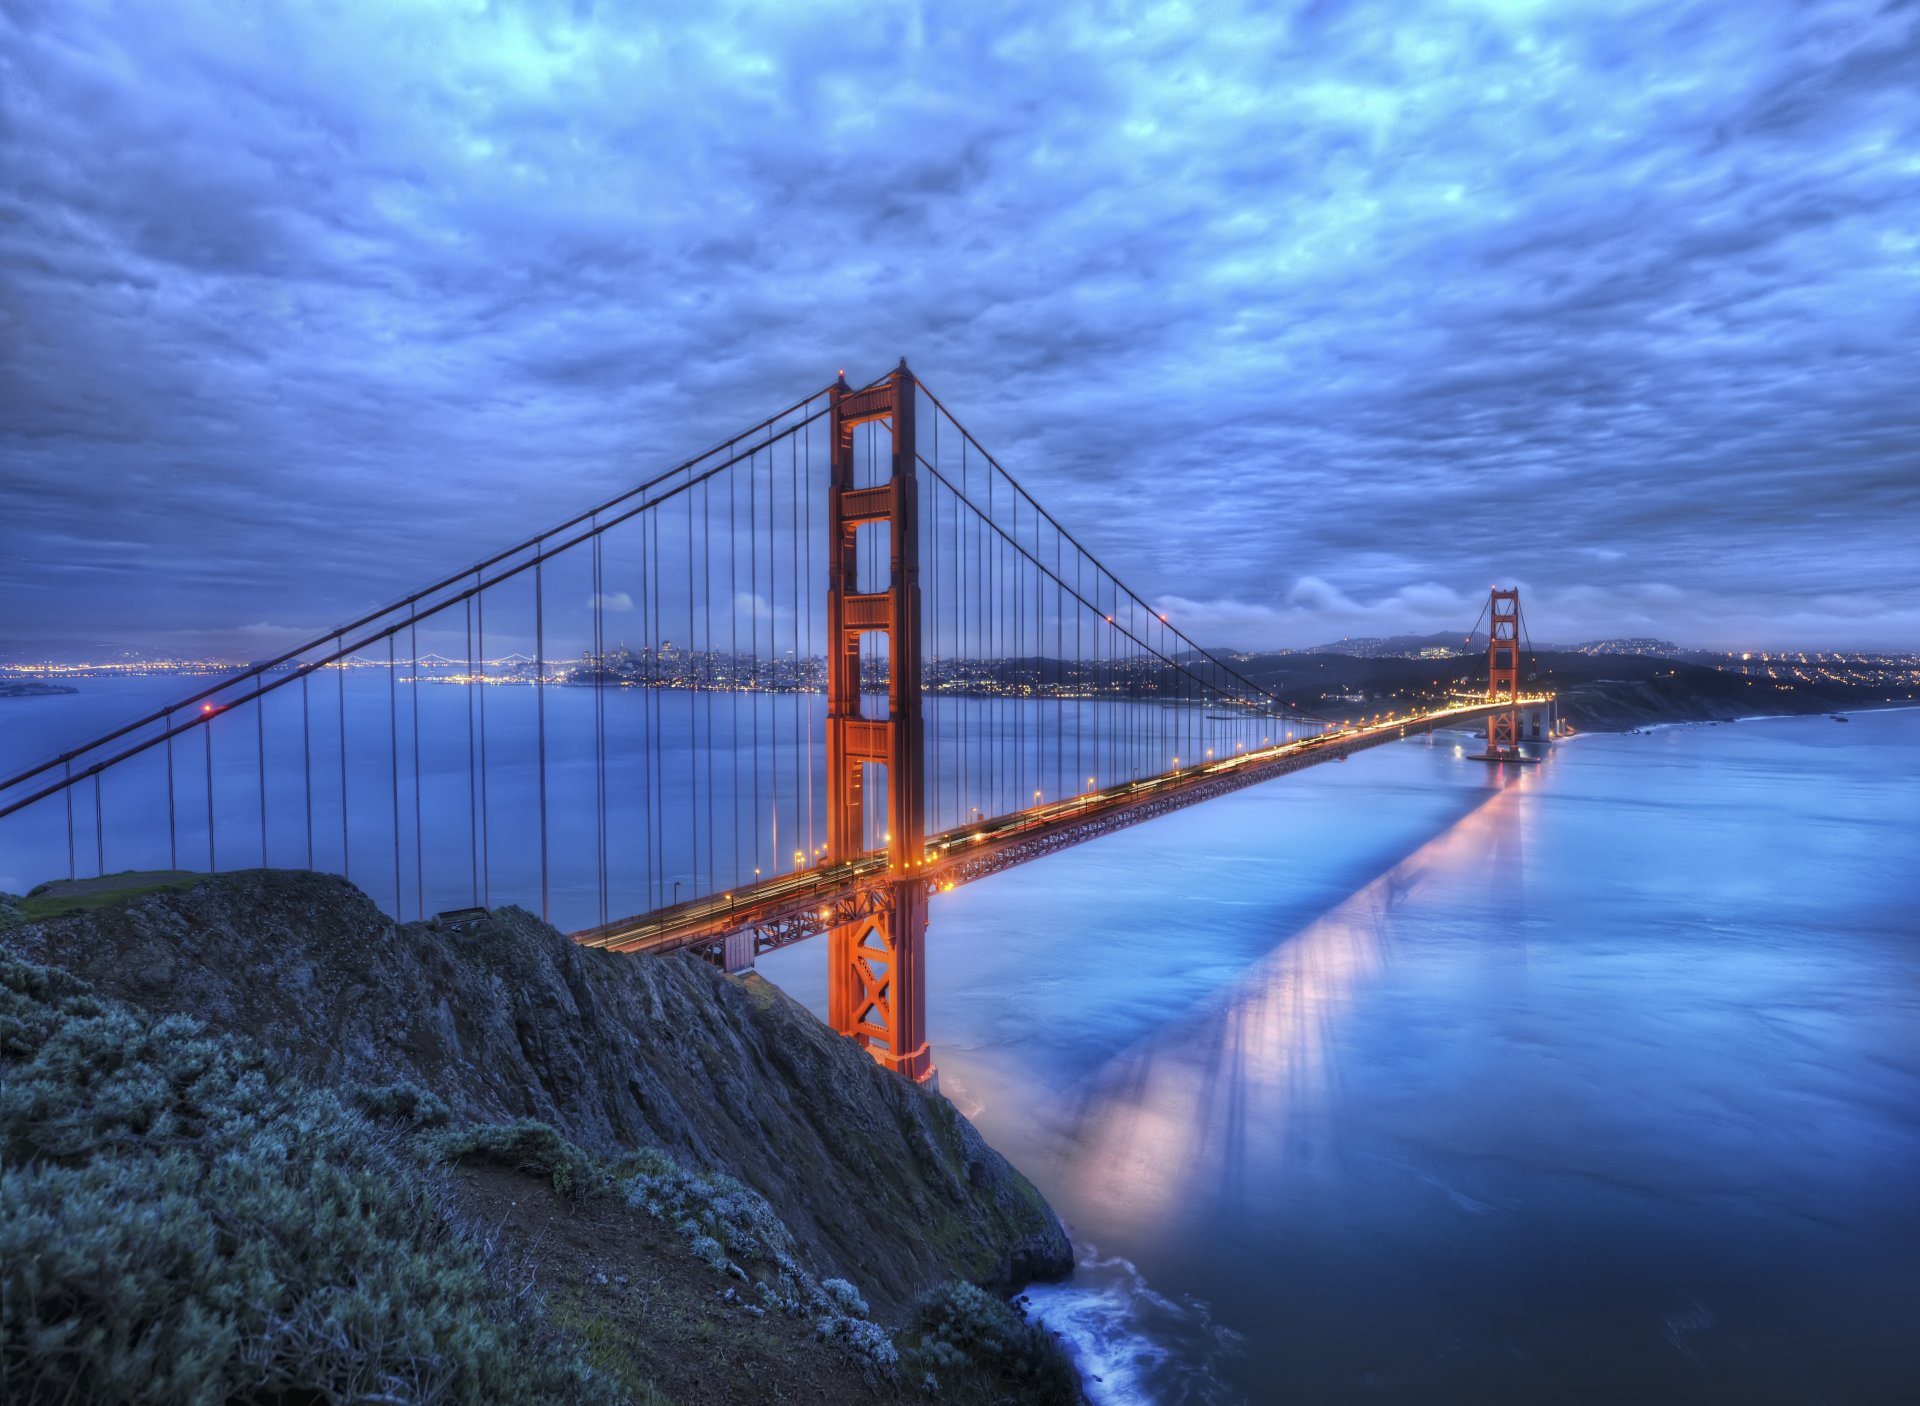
877, 985
1503, 673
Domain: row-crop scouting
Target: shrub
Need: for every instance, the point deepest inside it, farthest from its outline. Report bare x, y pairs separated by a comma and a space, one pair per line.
844, 1297
958, 1332
860, 1339
528, 1146
723, 1223
713, 1204
179, 1226
404, 1102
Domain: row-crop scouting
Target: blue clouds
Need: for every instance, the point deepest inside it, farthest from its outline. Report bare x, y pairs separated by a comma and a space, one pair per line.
1311, 318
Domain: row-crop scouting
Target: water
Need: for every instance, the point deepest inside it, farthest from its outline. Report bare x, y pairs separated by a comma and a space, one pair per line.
1403, 1079
434, 795
1412, 1080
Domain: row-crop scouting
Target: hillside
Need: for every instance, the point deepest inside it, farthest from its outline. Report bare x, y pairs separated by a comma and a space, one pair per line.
658, 1084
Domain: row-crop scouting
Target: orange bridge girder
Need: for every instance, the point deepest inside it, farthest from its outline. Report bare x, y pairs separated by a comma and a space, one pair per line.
849, 896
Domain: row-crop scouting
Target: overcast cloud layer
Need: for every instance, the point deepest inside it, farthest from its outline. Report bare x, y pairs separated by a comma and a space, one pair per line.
1309, 319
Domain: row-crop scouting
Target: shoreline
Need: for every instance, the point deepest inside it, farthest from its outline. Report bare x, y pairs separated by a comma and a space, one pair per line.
1885, 706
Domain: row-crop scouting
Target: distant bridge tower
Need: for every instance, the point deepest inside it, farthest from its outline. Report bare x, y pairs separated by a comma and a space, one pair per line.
877, 986
1503, 673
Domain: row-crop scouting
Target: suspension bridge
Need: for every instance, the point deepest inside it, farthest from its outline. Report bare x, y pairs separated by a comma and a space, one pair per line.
801, 683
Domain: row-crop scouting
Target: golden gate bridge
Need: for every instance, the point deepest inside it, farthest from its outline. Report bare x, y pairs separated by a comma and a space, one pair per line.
855, 664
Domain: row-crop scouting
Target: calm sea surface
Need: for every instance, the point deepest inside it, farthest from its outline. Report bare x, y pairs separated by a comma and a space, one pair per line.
1399, 1080
1410, 1080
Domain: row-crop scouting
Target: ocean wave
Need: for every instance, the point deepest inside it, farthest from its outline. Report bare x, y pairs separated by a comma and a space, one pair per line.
1134, 1346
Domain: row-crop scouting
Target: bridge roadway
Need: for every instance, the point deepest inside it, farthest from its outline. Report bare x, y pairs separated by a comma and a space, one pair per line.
802, 904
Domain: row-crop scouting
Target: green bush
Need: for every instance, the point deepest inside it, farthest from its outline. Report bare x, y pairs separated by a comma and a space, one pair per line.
180, 1226
405, 1103
974, 1346
866, 1342
729, 1226
528, 1146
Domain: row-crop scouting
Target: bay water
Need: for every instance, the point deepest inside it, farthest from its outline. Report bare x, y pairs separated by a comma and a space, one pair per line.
1415, 1079
1402, 1079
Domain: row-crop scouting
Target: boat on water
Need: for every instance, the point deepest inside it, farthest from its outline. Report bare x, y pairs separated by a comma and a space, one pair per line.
1840, 717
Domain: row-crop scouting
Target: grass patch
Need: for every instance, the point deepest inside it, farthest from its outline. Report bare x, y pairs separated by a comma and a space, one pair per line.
63, 896
608, 1348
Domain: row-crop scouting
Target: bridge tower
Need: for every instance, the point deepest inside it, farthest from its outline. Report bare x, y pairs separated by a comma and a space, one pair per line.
1503, 673
877, 992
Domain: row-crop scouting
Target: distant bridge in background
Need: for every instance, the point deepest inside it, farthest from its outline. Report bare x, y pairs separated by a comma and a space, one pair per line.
836, 666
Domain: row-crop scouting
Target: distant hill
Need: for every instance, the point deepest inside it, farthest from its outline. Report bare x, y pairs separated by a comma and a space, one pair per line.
1399, 646
1442, 645
1659, 649
68, 652
1598, 691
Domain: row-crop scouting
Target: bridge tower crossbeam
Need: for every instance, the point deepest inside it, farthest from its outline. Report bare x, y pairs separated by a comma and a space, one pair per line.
877, 974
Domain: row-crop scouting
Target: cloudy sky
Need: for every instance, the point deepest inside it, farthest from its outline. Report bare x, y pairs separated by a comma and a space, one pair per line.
1311, 319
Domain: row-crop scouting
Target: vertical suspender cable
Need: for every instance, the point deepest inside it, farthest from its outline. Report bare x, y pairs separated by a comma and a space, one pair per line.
540, 713
260, 755
213, 866
930, 572
1080, 691
773, 740
393, 775
473, 780
173, 825
658, 789
346, 838
798, 604
419, 842
486, 835
600, 717
1016, 618
751, 698
940, 661
646, 707
733, 663
811, 586
650, 701
693, 713
306, 757
706, 665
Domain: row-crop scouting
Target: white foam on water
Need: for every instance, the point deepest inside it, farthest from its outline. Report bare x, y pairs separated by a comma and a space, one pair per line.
1134, 1347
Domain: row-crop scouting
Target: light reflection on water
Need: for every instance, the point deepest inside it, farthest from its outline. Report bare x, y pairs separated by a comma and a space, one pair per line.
1410, 1081
1240, 1079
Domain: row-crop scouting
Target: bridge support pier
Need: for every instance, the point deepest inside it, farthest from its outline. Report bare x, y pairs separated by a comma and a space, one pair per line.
736, 952
878, 995
877, 990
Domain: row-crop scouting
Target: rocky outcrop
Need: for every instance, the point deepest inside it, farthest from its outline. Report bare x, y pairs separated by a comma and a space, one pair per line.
881, 1182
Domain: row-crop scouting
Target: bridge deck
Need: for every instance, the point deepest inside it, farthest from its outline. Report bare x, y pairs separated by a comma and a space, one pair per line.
794, 906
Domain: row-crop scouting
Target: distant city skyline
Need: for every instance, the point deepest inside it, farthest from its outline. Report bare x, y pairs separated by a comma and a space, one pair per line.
1311, 322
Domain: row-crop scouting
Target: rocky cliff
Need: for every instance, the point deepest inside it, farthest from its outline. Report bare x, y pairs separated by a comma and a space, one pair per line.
881, 1183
